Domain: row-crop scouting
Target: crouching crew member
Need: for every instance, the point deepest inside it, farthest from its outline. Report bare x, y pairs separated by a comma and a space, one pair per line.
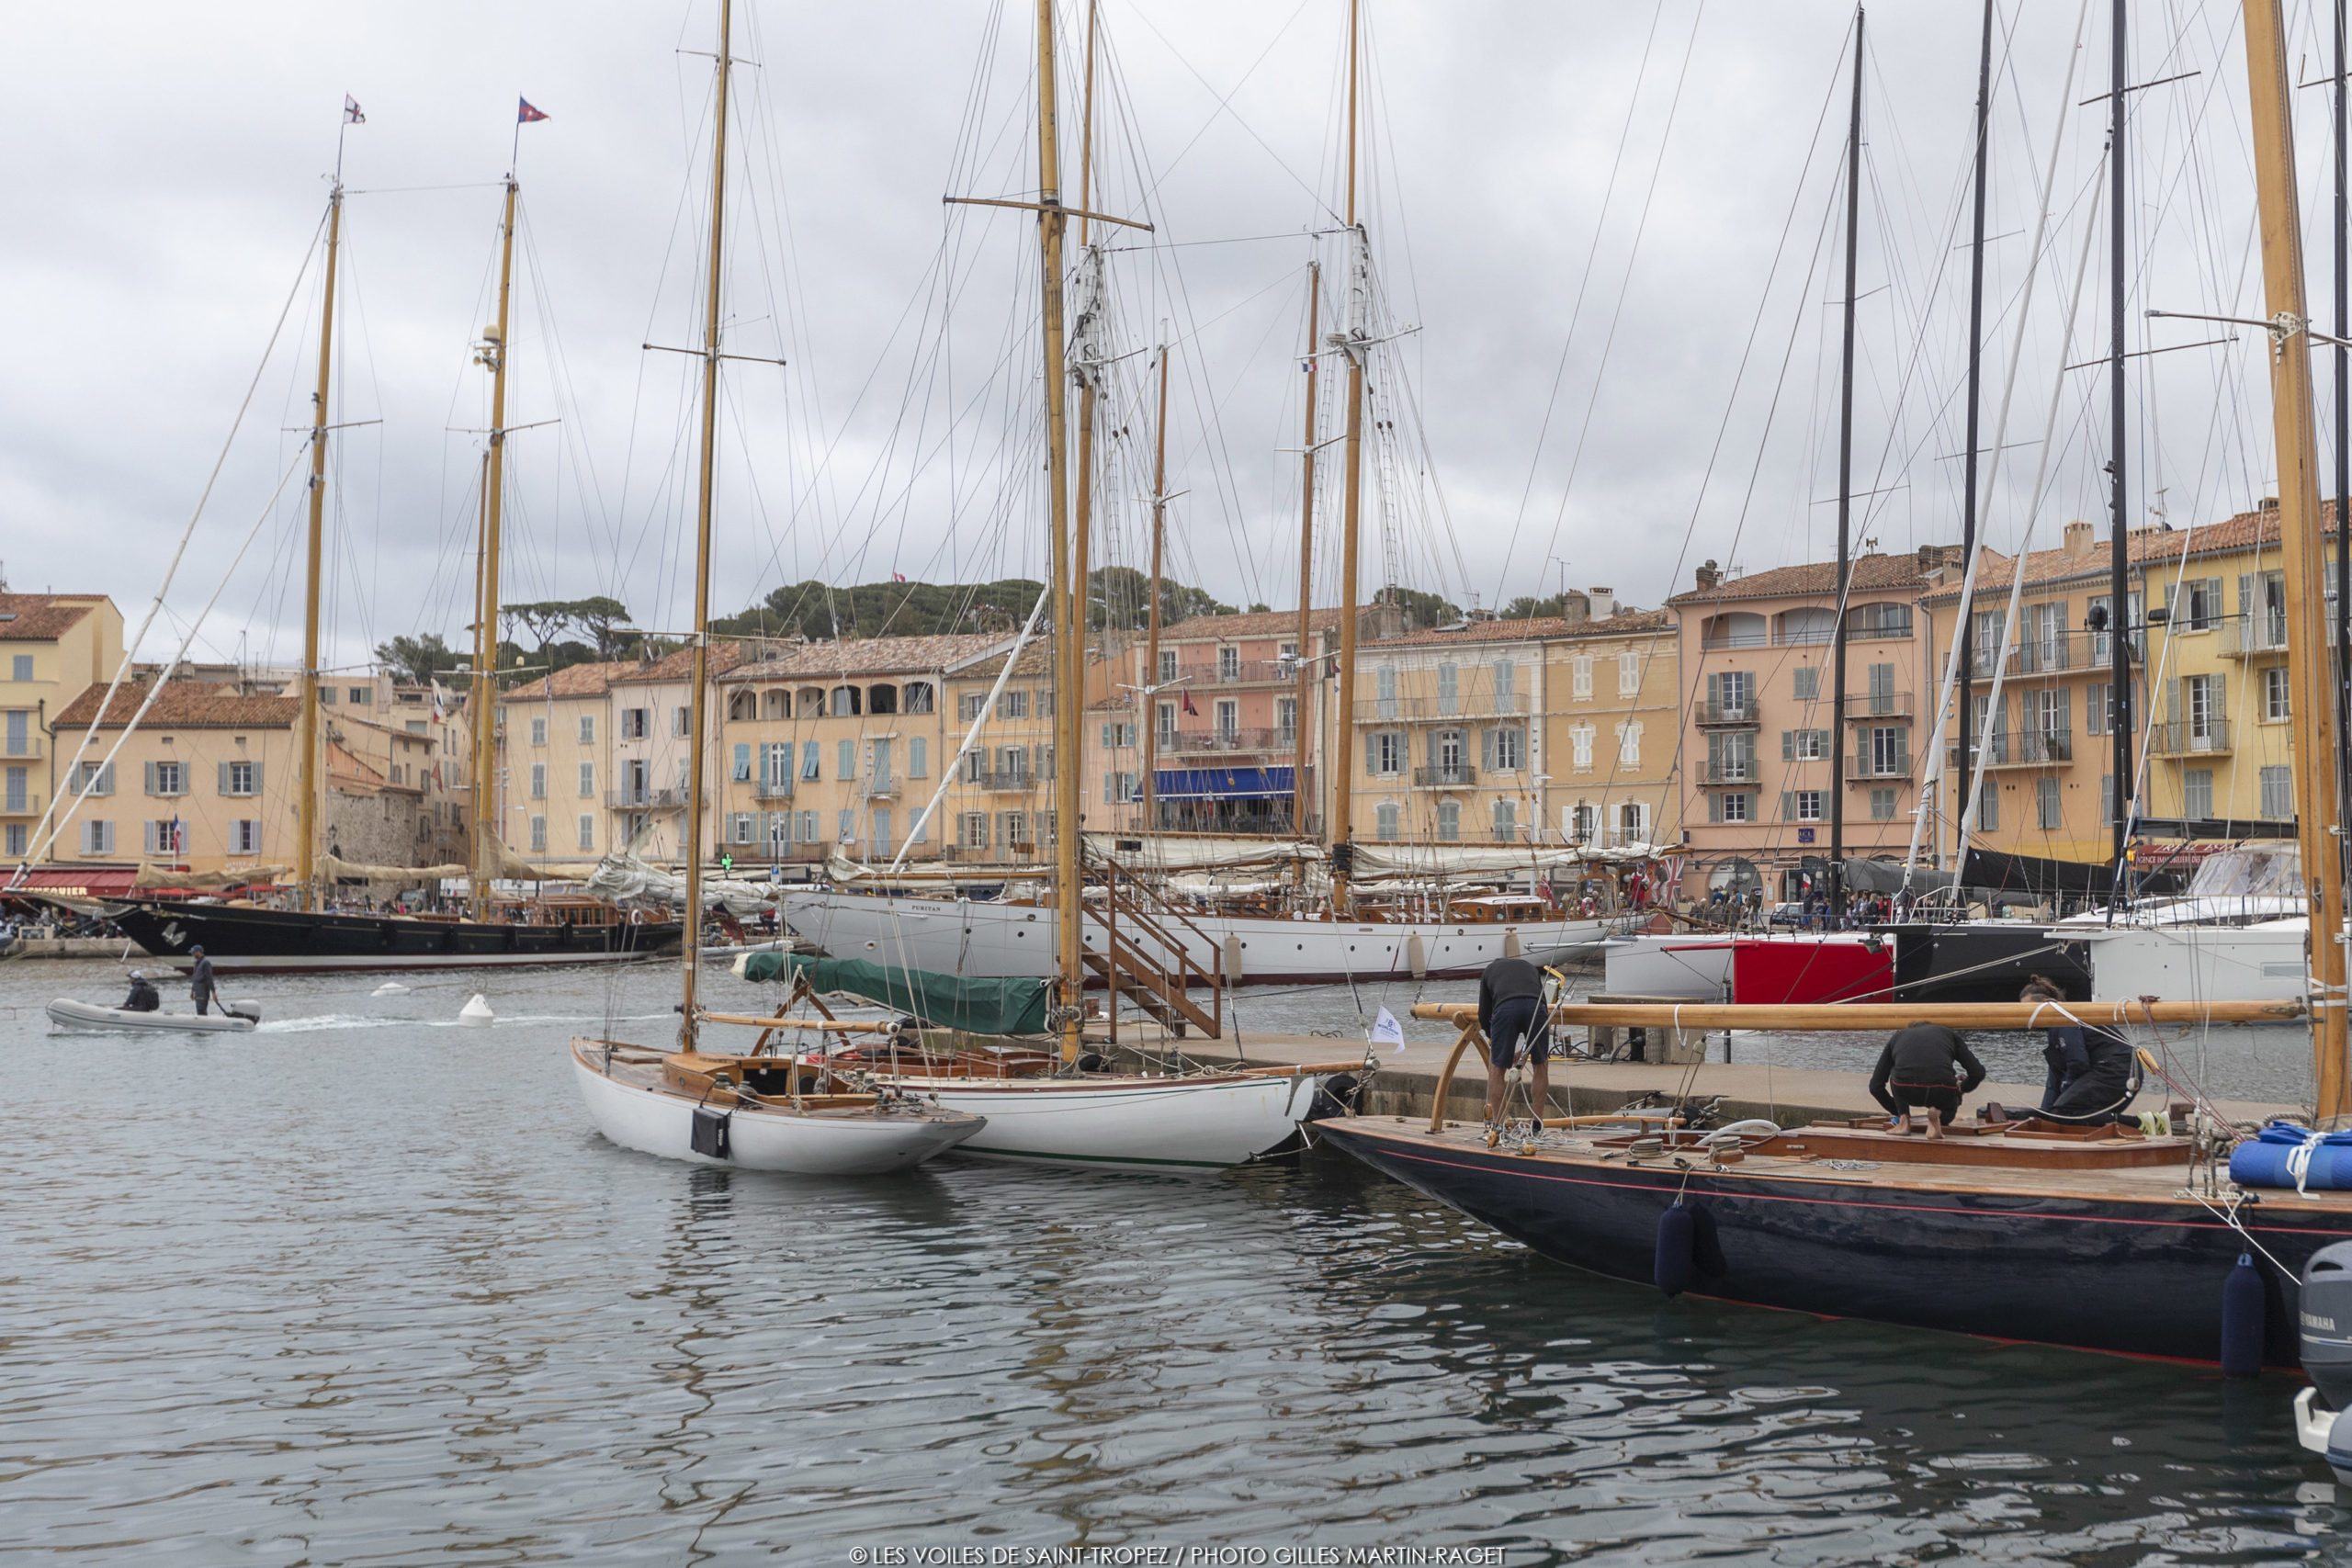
1928, 1066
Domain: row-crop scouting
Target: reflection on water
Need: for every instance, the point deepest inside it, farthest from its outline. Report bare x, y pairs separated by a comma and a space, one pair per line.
380, 1296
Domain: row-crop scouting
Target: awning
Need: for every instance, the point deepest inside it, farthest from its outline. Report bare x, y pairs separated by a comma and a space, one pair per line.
89, 882
1224, 784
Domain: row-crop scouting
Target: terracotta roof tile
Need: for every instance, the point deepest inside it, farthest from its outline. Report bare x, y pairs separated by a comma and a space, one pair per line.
679, 666
1260, 623
183, 705
2148, 547
578, 681
1873, 574
41, 617
872, 656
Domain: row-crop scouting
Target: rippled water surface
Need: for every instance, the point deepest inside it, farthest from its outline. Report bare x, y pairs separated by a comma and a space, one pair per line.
364, 1287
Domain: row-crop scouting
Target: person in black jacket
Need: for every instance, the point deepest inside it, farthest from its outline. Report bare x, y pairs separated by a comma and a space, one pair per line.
142, 997
1916, 1068
199, 981
1511, 1012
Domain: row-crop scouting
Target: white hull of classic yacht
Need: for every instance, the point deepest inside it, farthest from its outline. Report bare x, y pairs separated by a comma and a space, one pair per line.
1000, 941
2264, 963
1133, 1124
1650, 965
67, 1013
634, 1110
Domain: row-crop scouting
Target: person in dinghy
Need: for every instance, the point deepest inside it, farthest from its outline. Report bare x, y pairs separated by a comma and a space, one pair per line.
143, 996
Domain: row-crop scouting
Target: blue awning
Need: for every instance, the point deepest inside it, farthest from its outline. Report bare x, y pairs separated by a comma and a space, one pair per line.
1224, 784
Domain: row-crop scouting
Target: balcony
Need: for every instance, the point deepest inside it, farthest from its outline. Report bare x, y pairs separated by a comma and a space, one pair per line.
1432, 710
2189, 738
20, 805
1014, 781
19, 748
1863, 706
1895, 767
2059, 653
2035, 749
1245, 672
1716, 715
770, 789
1185, 741
1458, 776
2250, 636
1731, 773
646, 799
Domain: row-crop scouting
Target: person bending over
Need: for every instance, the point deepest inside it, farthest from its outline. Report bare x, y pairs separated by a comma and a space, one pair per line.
1511, 1012
142, 997
1928, 1066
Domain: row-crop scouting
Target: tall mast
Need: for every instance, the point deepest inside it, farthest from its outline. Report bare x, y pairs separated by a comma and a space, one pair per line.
2119, 521
306, 826
1341, 767
2300, 546
700, 676
1306, 661
1151, 638
1087, 368
1069, 597
1975, 410
2343, 627
1839, 733
494, 354
481, 759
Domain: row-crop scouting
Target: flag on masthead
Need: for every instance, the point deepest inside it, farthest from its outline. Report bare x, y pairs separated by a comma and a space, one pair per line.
525, 114
351, 115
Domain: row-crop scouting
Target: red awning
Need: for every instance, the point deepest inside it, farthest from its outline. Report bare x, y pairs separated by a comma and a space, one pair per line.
92, 882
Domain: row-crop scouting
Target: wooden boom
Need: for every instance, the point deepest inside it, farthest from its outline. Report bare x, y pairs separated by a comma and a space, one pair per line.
1873, 1016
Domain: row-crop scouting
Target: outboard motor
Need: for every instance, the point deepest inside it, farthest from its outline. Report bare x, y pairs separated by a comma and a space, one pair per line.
2325, 1343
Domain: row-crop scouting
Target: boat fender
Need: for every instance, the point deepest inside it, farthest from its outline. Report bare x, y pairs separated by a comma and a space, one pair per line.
1093, 1062
1676, 1235
1335, 1097
2242, 1319
1707, 1244
709, 1134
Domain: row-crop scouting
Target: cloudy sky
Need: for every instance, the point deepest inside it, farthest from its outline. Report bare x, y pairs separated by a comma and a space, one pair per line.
1605, 241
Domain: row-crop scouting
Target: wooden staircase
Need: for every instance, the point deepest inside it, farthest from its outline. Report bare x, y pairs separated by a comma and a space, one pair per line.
1142, 958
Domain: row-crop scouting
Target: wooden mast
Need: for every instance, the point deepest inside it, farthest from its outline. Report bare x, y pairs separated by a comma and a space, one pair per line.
493, 354
306, 827
1070, 707
1343, 761
1087, 370
1299, 797
2300, 546
696, 701
1151, 638
481, 757
1839, 735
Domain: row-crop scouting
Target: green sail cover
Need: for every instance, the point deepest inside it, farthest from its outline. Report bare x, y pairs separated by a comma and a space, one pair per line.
939, 1002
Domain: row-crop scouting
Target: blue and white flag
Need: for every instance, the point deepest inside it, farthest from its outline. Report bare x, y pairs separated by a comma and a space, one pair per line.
1387, 1031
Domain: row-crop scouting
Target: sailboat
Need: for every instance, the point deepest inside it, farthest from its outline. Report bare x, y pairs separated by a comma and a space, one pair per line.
2100, 1238
303, 936
751, 1111
1335, 941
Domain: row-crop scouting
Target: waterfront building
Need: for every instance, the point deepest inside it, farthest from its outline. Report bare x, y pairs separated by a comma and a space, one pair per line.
1224, 705
1612, 714
649, 717
1448, 749
554, 746
1759, 723
999, 805
52, 647
204, 783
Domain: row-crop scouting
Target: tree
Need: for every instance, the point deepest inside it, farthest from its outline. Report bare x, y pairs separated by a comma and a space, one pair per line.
541, 617
417, 660
1422, 611
605, 622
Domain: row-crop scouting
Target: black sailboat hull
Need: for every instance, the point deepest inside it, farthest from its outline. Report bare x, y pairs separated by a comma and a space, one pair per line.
2139, 1277
1985, 962
264, 941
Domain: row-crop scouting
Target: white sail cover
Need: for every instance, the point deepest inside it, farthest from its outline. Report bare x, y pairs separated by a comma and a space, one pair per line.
1424, 860
622, 874
1155, 851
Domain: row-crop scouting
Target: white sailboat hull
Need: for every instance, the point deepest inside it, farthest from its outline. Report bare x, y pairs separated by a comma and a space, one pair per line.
653, 1121
1195, 1124
2210, 964
1650, 965
985, 940
67, 1013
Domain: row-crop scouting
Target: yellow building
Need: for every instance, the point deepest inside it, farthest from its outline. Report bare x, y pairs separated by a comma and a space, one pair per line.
1446, 749
52, 647
206, 783
1611, 711
839, 744
1000, 802
554, 748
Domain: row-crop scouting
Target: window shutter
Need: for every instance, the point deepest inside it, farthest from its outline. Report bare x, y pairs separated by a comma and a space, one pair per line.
1788, 806
152, 839
1486, 749
151, 784
1901, 751
1715, 806
2172, 700
224, 768
1788, 745
257, 771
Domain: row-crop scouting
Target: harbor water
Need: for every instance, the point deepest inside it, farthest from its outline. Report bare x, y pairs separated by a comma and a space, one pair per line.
363, 1287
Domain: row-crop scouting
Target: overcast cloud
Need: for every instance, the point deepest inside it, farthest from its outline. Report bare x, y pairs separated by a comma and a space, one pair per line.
168, 173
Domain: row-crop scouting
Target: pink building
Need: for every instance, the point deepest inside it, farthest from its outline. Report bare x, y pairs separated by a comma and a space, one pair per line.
1760, 725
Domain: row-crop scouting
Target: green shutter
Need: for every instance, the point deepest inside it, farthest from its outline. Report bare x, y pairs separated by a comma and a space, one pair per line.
1788, 745
1788, 806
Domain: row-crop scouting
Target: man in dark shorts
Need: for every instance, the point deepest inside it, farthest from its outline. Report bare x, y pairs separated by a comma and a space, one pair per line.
1916, 1069
1512, 1011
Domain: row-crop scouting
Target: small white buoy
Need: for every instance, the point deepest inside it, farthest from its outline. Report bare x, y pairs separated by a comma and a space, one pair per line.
389, 988
477, 1011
